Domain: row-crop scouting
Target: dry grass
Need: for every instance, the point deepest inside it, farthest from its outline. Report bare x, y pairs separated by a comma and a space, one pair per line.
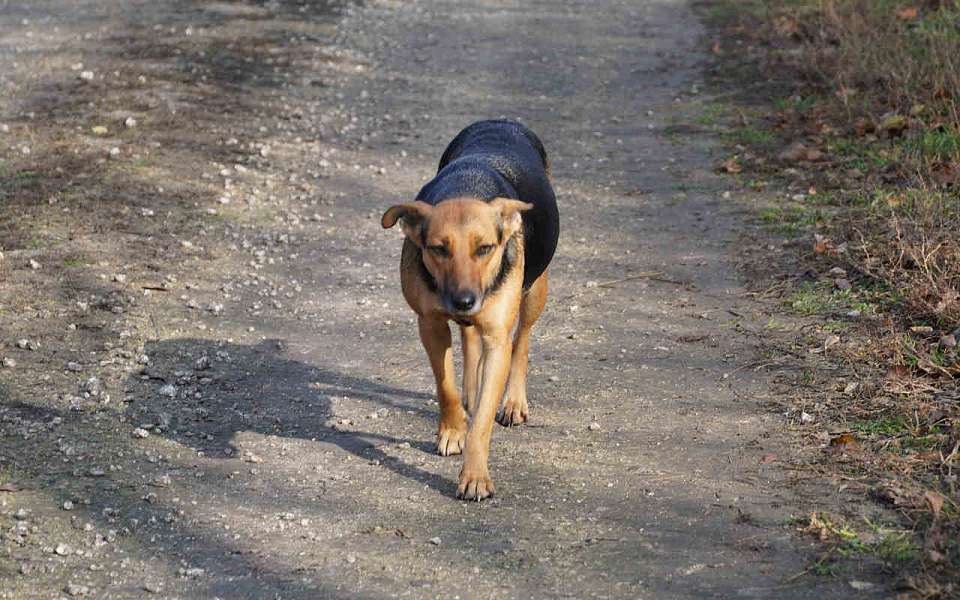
868, 115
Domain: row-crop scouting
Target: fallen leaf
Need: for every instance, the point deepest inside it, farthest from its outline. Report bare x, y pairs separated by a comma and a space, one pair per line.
844, 440
898, 372
935, 501
832, 340
893, 123
908, 13
732, 166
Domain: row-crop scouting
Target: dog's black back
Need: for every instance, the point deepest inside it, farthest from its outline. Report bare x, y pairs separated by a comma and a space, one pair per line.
504, 159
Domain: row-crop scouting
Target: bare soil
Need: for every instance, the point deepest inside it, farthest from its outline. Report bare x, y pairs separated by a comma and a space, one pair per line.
213, 387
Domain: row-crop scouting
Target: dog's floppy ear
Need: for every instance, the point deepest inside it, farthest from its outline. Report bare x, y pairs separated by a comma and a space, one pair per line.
413, 216
510, 214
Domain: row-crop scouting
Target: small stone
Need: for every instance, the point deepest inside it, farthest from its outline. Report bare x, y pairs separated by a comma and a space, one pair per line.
193, 572
842, 284
594, 426
67, 505
75, 589
435, 541
853, 314
948, 341
130, 123
553, 379
34, 264
141, 433
23, 344
351, 558
113, 152
22, 514
75, 367
63, 549
169, 390
86, 75
120, 278
806, 417
8, 362
153, 588
838, 272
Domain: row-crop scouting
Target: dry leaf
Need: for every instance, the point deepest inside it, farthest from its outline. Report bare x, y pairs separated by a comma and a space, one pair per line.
935, 501
732, 166
844, 440
908, 13
898, 372
832, 340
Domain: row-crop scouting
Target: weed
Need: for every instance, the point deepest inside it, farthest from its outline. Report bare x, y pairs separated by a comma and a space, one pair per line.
886, 426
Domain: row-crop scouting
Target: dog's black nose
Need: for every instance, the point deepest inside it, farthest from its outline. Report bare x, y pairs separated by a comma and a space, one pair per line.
463, 301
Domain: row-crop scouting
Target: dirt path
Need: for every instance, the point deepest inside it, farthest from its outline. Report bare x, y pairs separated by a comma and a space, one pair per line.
221, 392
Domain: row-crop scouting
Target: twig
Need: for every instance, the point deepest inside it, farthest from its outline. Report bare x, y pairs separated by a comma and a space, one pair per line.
654, 275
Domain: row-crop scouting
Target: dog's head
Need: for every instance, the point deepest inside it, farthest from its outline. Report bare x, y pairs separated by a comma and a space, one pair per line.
464, 243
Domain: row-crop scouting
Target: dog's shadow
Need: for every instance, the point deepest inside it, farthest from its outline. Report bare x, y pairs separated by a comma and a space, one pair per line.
201, 394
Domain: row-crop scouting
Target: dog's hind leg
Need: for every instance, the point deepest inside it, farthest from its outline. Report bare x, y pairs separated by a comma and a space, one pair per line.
515, 409
435, 335
472, 352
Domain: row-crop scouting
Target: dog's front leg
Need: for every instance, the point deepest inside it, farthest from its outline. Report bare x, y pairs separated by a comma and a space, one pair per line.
435, 335
475, 482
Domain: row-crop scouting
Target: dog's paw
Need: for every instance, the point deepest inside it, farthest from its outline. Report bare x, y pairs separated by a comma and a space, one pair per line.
475, 485
450, 440
513, 413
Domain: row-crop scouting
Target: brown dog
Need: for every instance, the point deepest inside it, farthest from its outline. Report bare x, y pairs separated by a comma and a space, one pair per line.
478, 242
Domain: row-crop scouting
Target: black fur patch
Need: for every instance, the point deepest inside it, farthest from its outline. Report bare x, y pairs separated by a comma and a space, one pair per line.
425, 274
507, 263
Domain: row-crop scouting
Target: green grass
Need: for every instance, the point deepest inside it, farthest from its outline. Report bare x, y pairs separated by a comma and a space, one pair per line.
752, 136
896, 547
937, 145
798, 103
885, 426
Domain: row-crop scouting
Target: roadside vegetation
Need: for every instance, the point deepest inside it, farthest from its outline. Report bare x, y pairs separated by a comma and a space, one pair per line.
847, 114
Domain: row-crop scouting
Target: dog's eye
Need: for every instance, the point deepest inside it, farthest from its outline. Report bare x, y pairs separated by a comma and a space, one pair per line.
485, 249
438, 250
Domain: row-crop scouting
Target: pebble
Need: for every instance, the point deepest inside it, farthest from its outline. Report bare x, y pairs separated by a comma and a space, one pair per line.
63, 549
86, 75
141, 433
9, 363
553, 379
130, 123
67, 505
435, 541
842, 284
75, 367
34, 264
21, 514
806, 417
75, 589
153, 588
948, 341
169, 390
838, 272
23, 344
594, 426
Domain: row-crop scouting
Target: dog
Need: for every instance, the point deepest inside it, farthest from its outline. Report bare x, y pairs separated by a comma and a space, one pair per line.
478, 240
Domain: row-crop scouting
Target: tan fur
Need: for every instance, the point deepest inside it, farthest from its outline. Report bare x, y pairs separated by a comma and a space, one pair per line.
460, 227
